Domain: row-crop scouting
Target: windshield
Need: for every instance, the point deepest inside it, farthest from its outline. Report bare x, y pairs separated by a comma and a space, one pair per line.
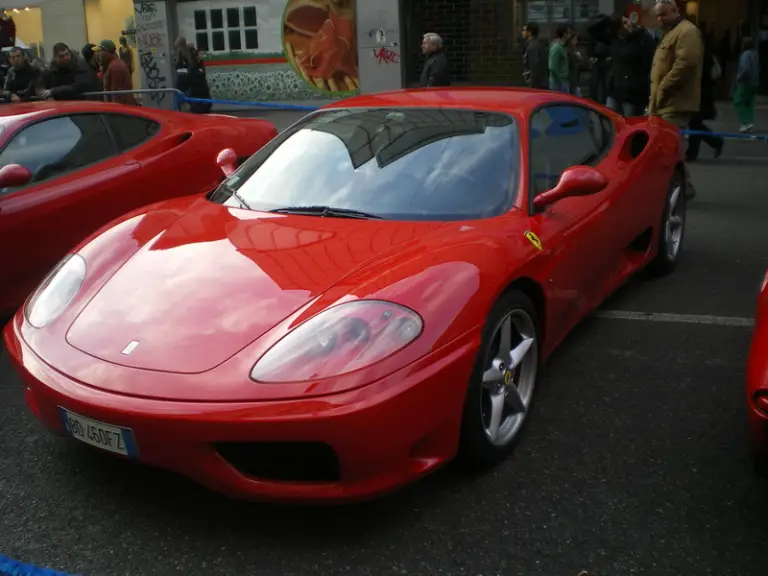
397, 164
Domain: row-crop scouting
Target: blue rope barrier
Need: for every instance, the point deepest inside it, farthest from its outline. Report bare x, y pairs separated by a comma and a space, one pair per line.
306, 108
267, 105
10, 567
729, 135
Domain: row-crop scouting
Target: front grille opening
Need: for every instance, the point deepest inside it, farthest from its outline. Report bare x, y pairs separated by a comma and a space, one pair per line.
283, 461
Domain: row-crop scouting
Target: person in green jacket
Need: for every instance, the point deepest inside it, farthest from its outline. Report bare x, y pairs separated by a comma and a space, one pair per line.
558, 61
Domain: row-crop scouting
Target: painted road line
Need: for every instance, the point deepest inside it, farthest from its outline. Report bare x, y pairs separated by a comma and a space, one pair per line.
676, 318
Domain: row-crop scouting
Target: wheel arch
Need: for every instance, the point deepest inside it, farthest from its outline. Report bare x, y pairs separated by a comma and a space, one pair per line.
535, 292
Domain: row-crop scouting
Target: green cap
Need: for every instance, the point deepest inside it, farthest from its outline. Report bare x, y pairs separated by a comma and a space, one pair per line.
107, 45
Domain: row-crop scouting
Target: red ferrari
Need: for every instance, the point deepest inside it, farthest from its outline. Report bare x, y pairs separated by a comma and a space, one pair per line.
68, 168
368, 296
757, 384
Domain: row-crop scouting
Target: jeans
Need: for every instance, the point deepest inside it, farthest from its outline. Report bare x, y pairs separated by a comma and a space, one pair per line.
626, 108
598, 85
744, 103
694, 142
559, 85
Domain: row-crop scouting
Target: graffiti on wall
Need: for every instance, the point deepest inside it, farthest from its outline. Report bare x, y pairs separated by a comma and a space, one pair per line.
152, 43
320, 43
385, 56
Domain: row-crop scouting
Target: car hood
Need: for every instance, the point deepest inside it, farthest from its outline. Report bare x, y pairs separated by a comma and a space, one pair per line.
218, 278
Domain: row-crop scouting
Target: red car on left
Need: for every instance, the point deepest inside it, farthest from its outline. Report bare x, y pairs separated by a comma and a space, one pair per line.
68, 168
757, 384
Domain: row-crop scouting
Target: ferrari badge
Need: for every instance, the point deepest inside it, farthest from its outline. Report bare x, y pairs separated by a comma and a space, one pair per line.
533, 239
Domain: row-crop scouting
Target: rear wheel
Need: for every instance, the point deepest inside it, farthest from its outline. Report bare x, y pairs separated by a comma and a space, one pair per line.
503, 382
672, 228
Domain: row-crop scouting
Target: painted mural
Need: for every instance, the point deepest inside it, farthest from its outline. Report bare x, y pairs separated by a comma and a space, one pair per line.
320, 42
274, 50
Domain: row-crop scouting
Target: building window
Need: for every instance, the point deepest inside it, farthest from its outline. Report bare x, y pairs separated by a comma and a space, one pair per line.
550, 13
226, 29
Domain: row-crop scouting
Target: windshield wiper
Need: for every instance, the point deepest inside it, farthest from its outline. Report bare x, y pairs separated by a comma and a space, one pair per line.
233, 194
326, 211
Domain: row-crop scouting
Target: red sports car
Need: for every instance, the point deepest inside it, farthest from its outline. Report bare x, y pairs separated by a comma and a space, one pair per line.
68, 168
757, 384
366, 297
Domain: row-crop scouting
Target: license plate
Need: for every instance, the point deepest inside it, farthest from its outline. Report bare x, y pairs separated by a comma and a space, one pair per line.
99, 434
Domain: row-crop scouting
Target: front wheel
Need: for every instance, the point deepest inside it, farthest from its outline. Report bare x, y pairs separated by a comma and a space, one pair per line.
672, 230
501, 389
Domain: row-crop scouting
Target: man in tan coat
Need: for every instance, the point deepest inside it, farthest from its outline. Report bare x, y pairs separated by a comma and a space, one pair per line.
677, 67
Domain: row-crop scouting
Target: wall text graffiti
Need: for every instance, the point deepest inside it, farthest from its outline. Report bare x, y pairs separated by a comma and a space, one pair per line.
385, 56
152, 43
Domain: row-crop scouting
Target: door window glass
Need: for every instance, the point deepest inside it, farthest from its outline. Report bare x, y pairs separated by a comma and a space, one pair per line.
54, 147
562, 136
130, 131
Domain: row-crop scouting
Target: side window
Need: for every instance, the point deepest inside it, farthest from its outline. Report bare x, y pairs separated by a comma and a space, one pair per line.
562, 136
130, 131
54, 147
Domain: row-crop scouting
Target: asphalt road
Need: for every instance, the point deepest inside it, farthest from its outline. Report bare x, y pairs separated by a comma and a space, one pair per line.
634, 461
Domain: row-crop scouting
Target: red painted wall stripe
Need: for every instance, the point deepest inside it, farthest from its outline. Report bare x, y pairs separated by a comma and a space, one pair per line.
244, 62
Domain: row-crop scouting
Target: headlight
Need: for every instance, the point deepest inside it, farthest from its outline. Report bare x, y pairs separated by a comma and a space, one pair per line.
56, 291
339, 340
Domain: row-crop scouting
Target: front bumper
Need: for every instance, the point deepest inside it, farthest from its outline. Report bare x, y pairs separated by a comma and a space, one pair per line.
379, 437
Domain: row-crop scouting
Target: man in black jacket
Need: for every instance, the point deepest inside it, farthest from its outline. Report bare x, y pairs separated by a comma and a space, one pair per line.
535, 58
69, 77
21, 80
632, 49
435, 71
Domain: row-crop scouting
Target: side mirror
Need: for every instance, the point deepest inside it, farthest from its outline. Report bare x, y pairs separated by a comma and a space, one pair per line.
14, 175
227, 161
575, 181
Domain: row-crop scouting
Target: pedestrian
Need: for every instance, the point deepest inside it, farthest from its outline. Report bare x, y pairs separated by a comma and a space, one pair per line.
7, 29
707, 110
125, 53
600, 63
436, 71
576, 63
535, 56
21, 79
677, 67
116, 75
557, 61
191, 78
68, 77
90, 53
632, 49
747, 83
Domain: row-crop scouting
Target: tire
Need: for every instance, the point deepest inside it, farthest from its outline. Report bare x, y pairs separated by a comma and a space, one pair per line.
671, 239
513, 389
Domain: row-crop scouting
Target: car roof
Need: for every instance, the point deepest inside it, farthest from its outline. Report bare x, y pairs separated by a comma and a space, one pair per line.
13, 115
502, 99
23, 108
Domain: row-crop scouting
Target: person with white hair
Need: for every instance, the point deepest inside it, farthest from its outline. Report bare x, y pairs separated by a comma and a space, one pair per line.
435, 71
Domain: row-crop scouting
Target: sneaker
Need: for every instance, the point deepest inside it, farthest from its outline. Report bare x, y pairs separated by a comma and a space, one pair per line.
746, 128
